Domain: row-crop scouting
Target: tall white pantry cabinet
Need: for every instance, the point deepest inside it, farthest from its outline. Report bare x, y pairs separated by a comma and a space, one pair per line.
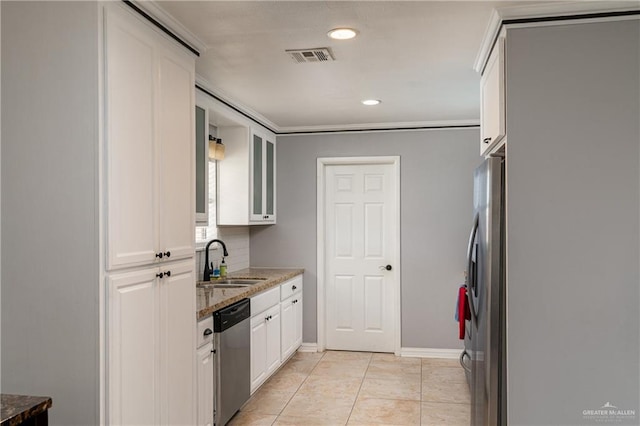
149, 93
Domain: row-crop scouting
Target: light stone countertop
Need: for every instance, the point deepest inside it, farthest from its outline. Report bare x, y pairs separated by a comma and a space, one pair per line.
209, 300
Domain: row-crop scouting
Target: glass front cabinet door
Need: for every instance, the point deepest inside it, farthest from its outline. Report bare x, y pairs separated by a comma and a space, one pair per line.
263, 175
202, 170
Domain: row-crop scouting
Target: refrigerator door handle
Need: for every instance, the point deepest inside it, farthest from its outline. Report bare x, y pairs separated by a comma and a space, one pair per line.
464, 365
471, 271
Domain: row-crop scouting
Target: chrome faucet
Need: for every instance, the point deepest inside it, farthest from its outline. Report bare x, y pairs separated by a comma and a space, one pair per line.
206, 275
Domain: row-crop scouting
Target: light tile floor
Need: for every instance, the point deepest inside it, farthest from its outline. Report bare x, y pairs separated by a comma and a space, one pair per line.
360, 388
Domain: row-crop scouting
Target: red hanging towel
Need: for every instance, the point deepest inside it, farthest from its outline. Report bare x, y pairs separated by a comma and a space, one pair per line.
463, 310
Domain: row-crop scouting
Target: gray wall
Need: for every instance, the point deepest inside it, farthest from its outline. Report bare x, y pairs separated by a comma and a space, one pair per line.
50, 205
436, 208
573, 221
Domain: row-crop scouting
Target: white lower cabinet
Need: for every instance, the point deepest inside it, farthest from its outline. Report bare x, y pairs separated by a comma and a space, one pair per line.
276, 329
298, 321
291, 312
205, 373
265, 345
205, 381
151, 336
288, 317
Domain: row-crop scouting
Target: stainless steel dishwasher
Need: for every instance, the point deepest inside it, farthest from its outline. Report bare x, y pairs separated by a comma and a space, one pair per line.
232, 349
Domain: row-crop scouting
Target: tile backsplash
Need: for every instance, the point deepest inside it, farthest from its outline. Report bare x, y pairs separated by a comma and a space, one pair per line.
236, 238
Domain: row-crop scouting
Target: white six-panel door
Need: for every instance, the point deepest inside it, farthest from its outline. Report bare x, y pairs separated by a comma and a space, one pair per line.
360, 239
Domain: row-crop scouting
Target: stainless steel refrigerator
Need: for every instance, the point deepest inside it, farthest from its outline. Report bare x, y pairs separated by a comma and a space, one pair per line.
484, 355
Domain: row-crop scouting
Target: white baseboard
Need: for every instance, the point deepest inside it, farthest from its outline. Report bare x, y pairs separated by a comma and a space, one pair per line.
406, 352
430, 353
308, 347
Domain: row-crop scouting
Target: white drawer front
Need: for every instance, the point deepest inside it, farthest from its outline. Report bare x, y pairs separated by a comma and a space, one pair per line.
265, 300
291, 287
203, 335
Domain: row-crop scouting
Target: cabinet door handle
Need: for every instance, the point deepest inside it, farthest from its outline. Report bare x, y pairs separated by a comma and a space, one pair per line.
293, 287
160, 275
159, 255
208, 332
167, 253
168, 273
486, 140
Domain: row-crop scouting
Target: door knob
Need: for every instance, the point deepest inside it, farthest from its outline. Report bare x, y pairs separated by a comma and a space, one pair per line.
387, 267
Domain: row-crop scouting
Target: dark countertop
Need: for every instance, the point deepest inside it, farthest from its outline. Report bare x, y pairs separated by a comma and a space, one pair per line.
209, 300
15, 409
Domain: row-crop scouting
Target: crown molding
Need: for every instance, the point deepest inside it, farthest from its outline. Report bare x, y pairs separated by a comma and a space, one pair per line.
220, 97
545, 10
155, 10
243, 109
377, 127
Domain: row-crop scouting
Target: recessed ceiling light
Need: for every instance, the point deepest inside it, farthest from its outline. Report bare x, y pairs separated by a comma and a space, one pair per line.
342, 33
370, 102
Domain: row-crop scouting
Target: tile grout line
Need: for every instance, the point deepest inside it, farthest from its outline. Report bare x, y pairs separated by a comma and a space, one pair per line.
360, 388
298, 388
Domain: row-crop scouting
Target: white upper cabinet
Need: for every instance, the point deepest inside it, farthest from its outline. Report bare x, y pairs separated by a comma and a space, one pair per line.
492, 95
148, 144
176, 156
263, 175
246, 181
202, 166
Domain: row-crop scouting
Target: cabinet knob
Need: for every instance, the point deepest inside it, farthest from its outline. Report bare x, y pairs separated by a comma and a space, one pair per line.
293, 287
167, 253
160, 275
486, 140
160, 255
168, 273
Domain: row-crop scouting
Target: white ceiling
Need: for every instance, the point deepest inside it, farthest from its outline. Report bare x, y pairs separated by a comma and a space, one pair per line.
416, 56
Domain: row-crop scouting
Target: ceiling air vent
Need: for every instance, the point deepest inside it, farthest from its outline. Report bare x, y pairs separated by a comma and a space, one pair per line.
321, 54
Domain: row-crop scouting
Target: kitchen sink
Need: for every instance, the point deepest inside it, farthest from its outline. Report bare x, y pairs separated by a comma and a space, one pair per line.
229, 283
216, 285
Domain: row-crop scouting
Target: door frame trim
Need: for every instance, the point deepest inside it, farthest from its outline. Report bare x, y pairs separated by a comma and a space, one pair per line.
322, 164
